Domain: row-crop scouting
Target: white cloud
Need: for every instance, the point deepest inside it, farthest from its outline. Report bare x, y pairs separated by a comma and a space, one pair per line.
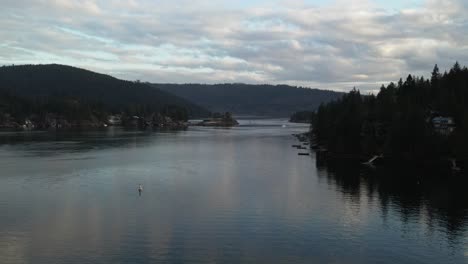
334, 46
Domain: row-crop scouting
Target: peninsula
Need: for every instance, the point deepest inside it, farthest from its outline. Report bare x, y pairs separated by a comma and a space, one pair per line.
63, 97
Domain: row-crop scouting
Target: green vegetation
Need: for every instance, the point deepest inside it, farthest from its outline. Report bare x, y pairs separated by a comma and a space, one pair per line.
247, 99
400, 121
53, 94
220, 120
301, 117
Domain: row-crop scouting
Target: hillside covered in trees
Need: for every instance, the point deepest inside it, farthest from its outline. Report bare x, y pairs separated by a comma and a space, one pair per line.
42, 92
415, 118
248, 99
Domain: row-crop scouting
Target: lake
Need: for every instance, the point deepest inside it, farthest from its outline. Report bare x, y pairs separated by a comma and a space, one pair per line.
216, 195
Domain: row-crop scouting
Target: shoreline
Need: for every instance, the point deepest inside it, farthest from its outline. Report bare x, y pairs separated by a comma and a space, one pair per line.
443, 164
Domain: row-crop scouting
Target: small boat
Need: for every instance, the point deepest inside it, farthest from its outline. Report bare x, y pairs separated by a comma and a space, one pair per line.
372, 160
303, 153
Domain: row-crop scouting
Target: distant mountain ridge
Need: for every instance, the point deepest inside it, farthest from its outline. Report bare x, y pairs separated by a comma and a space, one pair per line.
59, 82
249, 99
56, 81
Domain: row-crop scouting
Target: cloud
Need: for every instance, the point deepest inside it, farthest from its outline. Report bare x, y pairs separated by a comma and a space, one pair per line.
335, 45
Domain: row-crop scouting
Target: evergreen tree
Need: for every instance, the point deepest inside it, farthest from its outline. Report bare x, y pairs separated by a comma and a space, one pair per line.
398, 120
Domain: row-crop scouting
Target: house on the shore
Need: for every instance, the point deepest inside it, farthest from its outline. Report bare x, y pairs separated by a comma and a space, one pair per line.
443, 125
134, 121
114, 120
28, 125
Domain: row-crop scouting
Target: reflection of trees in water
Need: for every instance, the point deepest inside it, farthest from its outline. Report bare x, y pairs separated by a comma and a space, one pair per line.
419, 196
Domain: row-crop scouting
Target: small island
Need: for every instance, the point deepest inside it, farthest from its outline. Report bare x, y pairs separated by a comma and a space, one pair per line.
218, 120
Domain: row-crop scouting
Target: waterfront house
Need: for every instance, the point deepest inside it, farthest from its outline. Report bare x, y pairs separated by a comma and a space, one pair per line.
443, 125
114, 120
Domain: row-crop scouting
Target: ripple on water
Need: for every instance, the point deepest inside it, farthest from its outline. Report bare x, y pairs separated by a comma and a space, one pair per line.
238, 195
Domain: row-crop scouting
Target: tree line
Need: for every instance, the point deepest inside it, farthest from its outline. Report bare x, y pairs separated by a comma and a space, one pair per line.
39, 93
74, 111
399, 120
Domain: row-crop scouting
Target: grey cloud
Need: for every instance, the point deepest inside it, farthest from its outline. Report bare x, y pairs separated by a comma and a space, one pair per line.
337, 46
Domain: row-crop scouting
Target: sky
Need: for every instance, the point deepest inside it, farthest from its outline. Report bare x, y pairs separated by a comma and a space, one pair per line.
321, 44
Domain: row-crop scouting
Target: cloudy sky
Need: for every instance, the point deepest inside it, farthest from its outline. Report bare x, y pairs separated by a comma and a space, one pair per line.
322, 44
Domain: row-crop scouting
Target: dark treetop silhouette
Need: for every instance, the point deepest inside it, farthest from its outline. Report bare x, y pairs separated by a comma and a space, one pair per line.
81, 97
415, 118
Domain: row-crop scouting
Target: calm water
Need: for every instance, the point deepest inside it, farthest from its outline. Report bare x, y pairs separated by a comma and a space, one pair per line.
239, 195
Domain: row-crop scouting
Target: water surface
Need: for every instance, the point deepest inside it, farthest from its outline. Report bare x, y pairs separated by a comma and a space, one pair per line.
211, 195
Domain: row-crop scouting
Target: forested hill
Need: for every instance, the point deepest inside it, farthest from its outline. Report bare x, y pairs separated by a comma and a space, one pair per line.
413, 118
56, 82
247, 99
